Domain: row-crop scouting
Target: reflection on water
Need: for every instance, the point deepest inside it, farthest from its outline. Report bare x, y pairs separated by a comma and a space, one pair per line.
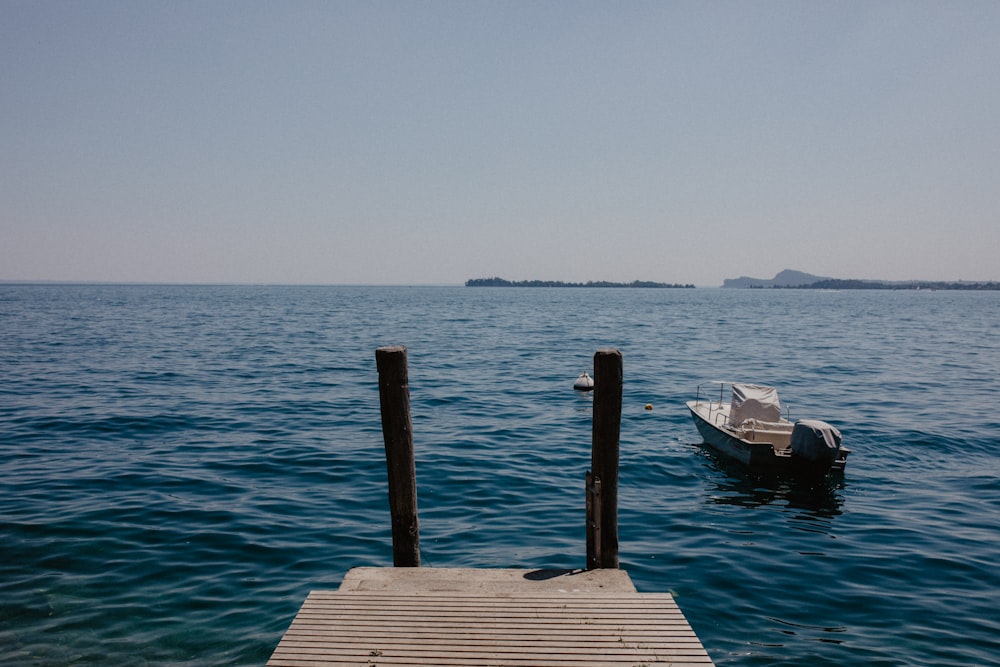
817, 632
734, 484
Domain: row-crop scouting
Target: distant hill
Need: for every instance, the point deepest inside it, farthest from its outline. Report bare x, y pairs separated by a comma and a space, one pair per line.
789, 279
786, 278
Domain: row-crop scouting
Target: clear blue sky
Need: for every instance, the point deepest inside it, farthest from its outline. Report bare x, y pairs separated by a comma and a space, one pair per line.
431, 142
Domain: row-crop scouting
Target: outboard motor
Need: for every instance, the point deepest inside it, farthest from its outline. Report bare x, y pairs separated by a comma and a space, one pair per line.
815, 444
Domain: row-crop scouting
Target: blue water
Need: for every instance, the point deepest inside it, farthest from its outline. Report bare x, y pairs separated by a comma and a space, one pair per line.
180, 465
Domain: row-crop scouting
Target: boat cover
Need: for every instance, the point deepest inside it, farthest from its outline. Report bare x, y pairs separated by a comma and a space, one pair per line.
816, 442
754, 401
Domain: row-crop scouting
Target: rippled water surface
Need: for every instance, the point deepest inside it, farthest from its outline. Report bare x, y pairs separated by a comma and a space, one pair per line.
180, 465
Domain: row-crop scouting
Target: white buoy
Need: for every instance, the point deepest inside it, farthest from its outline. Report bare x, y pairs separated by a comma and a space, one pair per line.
584, 382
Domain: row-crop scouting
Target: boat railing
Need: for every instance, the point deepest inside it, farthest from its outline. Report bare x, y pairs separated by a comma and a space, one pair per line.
717, 415
722, 387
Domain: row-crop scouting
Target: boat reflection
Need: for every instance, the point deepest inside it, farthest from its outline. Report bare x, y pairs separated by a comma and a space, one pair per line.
734, 484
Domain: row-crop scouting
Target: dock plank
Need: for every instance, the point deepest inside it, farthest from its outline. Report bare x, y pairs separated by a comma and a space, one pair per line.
547, 628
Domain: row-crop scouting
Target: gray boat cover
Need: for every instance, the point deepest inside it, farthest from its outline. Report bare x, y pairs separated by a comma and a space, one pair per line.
754, 401
816, 442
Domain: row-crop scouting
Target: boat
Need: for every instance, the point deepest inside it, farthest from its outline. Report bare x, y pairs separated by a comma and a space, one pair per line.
747, 426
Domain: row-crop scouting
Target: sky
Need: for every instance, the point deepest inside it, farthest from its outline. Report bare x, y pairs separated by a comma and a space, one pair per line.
398, 143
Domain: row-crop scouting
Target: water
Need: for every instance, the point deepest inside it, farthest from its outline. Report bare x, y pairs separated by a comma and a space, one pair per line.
180, 465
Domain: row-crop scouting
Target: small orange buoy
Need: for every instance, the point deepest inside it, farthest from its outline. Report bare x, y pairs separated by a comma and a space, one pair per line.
649, 406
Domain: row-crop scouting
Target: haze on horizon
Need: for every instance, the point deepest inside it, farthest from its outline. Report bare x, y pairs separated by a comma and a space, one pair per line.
429, 143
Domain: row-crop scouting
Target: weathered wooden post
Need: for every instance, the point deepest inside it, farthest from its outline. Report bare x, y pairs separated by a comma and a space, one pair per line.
594, 502
397, 431
602, 484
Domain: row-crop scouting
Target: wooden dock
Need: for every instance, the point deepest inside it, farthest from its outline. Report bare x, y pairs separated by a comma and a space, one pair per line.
410, 615
444, 616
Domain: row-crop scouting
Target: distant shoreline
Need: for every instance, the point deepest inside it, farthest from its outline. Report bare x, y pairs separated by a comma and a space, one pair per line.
890, 285
792, 279
500, 282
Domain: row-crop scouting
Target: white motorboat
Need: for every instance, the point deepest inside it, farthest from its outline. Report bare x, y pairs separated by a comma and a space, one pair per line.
747, 426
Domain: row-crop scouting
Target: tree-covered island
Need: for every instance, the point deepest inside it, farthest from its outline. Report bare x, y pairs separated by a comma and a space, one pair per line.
500, 282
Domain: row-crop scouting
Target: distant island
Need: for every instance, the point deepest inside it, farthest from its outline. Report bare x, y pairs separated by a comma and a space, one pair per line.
786, 278
789, 279
500, 282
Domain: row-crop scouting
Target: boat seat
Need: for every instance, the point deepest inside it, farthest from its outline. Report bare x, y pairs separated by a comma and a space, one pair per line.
761, 425
778, 434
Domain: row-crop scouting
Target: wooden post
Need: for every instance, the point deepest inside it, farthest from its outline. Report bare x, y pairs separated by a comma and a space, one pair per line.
397, 431
604, 450
593, 522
